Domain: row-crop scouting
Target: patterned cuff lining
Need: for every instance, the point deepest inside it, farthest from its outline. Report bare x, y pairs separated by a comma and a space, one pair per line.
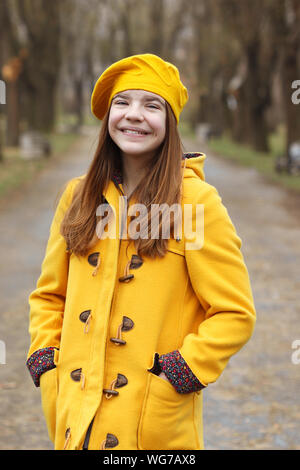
39, 362
179, 373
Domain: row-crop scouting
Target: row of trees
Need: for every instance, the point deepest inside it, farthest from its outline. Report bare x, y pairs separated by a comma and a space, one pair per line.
238, 59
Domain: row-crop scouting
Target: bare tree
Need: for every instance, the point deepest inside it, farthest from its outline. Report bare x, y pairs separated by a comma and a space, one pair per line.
37, 29
210, 60
11, 66
176, 17
250, 22
125, 10
269, 33
156, 26
288, 40
152, 26
2, 60
78, 50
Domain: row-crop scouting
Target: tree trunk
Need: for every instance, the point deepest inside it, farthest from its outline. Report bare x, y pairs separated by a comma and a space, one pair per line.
240, 127
79, 102
1, 64
41, 67
257, 92
156, 30
12, 136
125, 24
1, 136
44, 105
289, 73
9, 48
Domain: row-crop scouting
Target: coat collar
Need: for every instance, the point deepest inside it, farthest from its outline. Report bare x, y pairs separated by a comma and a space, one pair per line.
117, 176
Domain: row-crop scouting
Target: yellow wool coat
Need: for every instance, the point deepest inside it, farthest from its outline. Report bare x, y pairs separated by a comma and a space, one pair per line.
104, 334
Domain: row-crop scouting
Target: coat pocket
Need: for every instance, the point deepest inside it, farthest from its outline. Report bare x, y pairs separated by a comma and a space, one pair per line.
49, 390
168, 418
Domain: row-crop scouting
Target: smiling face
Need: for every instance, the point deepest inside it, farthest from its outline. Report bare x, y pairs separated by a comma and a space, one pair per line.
137, 122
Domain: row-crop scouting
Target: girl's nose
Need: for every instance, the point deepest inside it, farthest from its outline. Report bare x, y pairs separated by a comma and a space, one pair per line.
134, 113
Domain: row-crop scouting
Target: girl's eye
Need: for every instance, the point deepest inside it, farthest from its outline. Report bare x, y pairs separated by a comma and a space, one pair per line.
120, 102
153, 106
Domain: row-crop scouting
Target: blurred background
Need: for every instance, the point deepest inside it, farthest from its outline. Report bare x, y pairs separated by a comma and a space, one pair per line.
240, 61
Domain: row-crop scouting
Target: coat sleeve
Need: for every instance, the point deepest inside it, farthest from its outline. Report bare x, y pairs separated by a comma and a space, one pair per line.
47, 301
220, 279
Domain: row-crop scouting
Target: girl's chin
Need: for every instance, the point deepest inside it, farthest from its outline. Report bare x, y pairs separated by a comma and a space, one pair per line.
146, 155
134, 151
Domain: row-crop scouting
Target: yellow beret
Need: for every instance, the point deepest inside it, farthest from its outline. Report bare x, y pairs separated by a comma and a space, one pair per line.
139, 72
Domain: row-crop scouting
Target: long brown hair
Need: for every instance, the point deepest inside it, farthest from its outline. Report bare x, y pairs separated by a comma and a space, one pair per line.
161, 184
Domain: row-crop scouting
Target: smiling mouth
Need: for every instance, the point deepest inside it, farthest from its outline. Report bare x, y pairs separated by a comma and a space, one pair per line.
134, 132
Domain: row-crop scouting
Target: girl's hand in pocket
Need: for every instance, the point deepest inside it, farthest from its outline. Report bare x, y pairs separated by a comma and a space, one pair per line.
163, 376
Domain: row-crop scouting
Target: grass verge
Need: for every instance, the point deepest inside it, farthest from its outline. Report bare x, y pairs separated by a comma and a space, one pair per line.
14, 170
263, 162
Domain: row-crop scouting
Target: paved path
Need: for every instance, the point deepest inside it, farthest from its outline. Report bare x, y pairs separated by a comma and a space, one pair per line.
255, 403
24, 228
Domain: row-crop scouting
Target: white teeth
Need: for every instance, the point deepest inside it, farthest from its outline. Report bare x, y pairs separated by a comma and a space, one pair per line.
130, 131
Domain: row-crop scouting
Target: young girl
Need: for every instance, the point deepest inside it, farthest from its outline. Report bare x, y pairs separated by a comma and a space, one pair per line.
131, 320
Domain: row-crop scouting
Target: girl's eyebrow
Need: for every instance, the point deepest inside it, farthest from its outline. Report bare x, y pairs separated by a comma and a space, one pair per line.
120, 96
150, 98
147, 98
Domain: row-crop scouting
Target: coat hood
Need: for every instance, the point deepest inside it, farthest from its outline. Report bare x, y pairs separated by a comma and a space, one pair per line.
194, 165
